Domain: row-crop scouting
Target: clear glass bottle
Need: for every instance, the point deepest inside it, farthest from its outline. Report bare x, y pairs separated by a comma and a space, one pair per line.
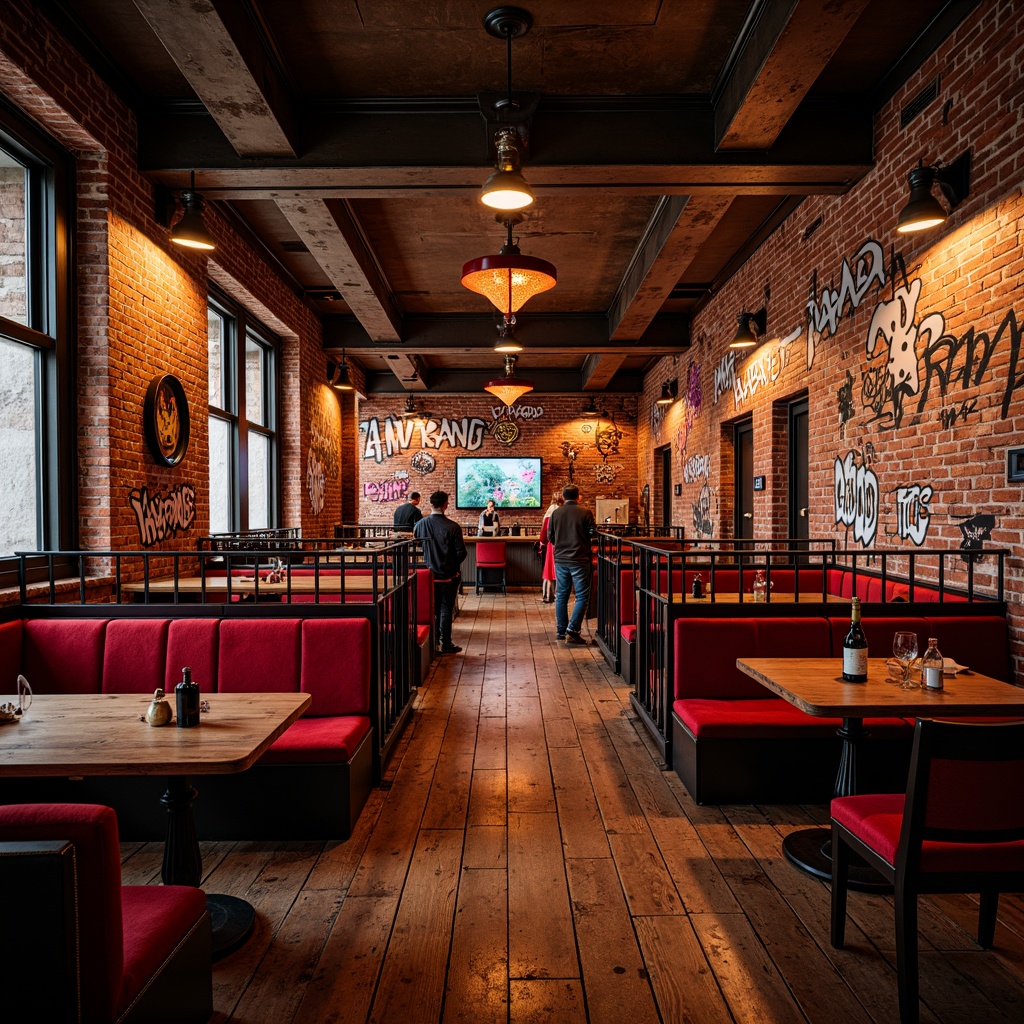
855, 648
760, 587
931, 666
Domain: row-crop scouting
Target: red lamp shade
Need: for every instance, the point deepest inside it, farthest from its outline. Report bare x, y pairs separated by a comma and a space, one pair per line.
508, 281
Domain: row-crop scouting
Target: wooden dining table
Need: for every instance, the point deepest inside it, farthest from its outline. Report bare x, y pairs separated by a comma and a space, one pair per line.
106, 734
816, 687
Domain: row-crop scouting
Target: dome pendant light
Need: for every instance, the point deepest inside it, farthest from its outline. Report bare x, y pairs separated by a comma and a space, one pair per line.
509, 279
191, 231
506, 188
510, 387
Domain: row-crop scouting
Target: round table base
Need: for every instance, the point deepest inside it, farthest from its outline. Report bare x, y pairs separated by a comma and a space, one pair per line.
232, 920
810, 850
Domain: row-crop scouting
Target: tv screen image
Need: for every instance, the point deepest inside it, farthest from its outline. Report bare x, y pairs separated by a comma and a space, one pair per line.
509, 483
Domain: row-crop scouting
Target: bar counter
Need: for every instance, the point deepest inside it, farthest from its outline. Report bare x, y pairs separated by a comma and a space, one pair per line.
522, 563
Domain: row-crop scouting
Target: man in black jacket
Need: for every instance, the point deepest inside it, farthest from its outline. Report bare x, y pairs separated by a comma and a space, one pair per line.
443, 553
407, 515
570, 530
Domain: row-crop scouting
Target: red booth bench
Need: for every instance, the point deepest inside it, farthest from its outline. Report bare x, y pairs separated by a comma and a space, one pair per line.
735, 742
79, 945
316, 776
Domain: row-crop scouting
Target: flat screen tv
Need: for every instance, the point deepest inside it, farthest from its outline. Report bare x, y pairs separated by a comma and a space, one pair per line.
508, 482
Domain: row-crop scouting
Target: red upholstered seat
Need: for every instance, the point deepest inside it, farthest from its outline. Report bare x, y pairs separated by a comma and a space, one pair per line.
193, 643
259, 656
125, 934
335, 668
960, 828
319, 741
628, 634
490, 555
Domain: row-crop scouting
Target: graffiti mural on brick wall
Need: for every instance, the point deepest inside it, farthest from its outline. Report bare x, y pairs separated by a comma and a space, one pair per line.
159, 518
316, 483
761, 370
424, 463
517, 412
324, 430
845, 402
703, 524
697, 467
856, 494
973, 533
607, 438
393, 488
911, 359
912, 515
693, 402
824, 311
605, 472
395, 435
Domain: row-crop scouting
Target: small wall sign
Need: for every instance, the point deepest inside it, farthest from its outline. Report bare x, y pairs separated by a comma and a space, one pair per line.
1015, 465
165, 422
758, 483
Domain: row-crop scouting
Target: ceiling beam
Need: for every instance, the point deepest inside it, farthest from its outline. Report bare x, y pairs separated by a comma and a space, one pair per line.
660, 148
468, 382
332, 235
676, 232
217, 48
667, 333
410, 370
774, 67
598, 370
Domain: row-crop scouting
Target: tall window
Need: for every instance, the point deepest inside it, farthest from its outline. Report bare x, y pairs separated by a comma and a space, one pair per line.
37, 433
243, 421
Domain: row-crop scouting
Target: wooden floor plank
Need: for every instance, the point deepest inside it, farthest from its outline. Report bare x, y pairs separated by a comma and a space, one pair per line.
617, 899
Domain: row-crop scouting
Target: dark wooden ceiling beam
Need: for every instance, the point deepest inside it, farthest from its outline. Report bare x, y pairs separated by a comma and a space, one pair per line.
599, 369
774, 67
218, 50
675, 233
667, 333
333, 238
660, 149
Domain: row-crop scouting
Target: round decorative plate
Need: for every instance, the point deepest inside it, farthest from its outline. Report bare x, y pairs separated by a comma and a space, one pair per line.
165, 419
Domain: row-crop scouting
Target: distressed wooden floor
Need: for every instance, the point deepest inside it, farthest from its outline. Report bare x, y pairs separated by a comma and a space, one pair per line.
530, 859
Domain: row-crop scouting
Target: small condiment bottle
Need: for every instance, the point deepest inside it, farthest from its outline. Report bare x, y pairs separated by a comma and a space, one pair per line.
932, 666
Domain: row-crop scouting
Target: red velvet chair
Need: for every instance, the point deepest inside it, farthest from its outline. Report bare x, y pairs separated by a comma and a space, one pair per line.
490, 557
960, 828
84, 947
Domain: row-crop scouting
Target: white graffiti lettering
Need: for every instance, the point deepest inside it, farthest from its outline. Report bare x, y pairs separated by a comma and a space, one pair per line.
159, 518
697, 467
517, 412
398, 434
856, 497
316, 483
912, 515
725, 374
824, 313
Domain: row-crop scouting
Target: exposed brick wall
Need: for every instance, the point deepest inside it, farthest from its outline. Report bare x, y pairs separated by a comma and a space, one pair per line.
951, 430
561, 421
142, 306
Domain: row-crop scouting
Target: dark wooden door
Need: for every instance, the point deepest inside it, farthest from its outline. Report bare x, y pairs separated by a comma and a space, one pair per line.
798, 486
743, 479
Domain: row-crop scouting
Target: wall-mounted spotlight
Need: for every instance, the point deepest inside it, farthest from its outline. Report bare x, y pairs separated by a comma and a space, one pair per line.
191, 231
338, 376
923, 210
669, 390
744, 336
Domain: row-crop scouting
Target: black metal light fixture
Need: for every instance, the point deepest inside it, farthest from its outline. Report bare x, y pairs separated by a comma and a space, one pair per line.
923, 209
506, 188
669, 390
338, 376
744, 336
190, 231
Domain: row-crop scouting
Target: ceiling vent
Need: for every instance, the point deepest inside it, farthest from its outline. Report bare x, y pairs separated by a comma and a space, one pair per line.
914, 106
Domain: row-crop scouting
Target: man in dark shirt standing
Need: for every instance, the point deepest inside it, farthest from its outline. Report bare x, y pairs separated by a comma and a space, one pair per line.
443, 553
407, 515
570, 530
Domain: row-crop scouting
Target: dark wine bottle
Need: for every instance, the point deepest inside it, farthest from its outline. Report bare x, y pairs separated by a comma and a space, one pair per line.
855, 648
187, 699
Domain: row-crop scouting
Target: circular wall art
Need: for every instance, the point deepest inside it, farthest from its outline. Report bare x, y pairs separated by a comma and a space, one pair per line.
165, 420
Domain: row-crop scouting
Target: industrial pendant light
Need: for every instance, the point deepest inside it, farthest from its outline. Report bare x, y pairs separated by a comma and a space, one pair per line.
744, 336
509, 279
510, 387
506, 188
923, 210
338, 376
191, 231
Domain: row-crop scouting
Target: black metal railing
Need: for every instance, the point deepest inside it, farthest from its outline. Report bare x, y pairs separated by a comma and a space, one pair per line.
935, 581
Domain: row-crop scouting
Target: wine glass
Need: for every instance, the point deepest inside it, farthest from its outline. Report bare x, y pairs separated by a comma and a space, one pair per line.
904, 647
